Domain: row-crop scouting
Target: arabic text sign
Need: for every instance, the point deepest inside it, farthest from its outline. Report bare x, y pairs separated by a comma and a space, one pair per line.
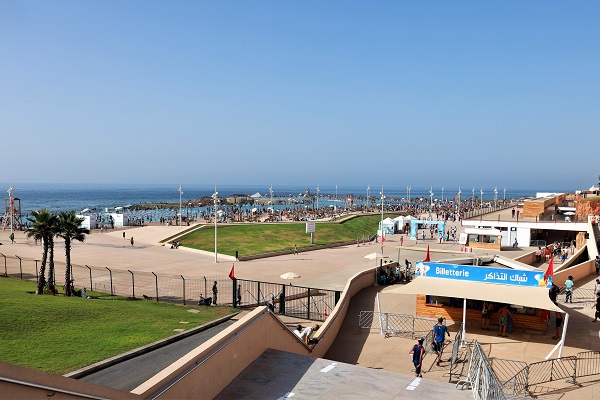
483, 274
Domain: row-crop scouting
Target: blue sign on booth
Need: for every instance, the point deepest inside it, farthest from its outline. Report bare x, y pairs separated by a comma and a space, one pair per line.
483, 274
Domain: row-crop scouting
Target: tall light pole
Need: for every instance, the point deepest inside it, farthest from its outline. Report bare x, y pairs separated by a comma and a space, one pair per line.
504, 194
382, 199
408, 188
215, 197
431, 199
12, 209
495, 197
442, 194
317, 200
458, 205
180, 194
481, 199
473, 193
368, 195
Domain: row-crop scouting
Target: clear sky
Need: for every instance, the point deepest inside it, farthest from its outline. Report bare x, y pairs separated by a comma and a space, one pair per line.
398, 93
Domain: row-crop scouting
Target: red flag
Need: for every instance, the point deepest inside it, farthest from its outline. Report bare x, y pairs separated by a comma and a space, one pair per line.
427, 256
231, 274
382, 239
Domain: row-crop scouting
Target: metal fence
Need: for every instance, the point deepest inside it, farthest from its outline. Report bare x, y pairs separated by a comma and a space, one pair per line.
392, 324
455, 350
570, 368
481, 377
290, 300
298, 301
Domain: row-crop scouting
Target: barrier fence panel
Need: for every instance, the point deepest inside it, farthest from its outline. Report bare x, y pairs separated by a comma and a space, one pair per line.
579, 295
550, 370
587, 363
484, 384
505, 370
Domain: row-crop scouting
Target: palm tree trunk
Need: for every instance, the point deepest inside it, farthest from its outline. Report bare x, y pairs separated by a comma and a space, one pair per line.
68, 282
51, 279
41, 276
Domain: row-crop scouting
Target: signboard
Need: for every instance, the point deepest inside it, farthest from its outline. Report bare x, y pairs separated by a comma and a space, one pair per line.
483, 274
310, 227
463, 238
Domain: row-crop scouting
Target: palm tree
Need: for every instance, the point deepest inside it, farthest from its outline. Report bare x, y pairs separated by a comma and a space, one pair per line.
69, 229
42, 228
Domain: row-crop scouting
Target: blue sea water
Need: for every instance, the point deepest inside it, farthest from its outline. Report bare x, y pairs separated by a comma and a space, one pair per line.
63, 197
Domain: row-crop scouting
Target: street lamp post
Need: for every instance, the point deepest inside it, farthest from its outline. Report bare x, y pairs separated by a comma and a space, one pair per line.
481, 199
180, 193
368, 195
431, 200
382, 199
215, 197
495, 197
473, 193
12, 209
271, 194
408, 188
317, 201
458, 204
442, 194
504, 194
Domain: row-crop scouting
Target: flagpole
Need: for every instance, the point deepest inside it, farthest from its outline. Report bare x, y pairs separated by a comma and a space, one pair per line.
180, 193
215, 197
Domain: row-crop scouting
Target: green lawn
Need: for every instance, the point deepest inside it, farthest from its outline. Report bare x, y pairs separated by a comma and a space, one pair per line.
60, 334
255, 239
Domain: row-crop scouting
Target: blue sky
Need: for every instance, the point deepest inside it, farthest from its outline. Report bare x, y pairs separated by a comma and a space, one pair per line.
350, 93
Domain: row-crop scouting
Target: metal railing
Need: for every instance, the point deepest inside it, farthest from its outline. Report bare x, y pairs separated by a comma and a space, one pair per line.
481, 377
293, 301
392, 324
570, 368
579, 295
455, 351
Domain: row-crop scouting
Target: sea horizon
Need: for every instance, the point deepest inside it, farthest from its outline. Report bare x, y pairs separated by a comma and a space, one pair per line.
78, 196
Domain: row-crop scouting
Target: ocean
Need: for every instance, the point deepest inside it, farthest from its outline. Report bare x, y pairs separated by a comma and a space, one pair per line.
66, 197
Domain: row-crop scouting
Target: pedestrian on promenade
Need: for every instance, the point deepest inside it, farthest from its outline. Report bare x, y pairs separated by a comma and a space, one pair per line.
597, 305
12, 238
569, 290
239, 295
417, 355
131, 241
295, 249
215, 291
503, 313
597, 286
440, 331
123, 234
486, 310
597, 265
559, 320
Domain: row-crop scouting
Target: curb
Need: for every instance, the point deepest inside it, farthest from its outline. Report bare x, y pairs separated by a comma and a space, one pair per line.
80, 373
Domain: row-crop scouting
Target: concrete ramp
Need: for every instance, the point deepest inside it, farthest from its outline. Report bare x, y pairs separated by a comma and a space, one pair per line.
281, 375
513, 264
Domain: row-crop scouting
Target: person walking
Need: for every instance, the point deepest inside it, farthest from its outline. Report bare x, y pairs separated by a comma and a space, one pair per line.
131, 240
503, 313
486, 310
439, 331
597, 265
12, 238
417, 355
569, 290
215, 290
597, 305
559, 321
295, 249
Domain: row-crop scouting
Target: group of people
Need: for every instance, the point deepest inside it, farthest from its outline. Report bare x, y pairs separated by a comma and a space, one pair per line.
389, 275
306, 334
505, 318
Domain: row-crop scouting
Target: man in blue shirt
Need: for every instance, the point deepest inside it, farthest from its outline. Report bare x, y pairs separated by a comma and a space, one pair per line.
569, 290
439, 331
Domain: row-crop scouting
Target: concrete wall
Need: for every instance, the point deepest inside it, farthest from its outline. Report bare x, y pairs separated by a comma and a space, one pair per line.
578, 272
24, 383
208, 369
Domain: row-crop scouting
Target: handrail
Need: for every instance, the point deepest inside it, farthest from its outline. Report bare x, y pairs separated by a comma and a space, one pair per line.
51, 388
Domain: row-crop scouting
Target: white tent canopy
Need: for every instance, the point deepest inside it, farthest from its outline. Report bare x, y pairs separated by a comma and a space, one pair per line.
509, 294
256, 195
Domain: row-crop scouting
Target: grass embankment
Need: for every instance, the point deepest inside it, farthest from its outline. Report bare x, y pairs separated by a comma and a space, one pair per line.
255, 239
60, 334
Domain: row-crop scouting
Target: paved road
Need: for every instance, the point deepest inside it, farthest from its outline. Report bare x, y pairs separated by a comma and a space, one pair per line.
129, 374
